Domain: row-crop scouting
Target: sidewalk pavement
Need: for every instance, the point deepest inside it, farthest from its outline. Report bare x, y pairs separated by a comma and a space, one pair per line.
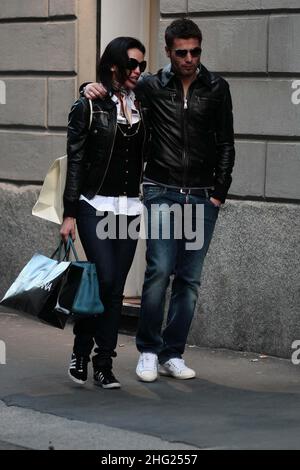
238, 400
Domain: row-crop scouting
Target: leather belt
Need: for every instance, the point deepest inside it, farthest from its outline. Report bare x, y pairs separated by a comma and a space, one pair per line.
186, 191
193, 192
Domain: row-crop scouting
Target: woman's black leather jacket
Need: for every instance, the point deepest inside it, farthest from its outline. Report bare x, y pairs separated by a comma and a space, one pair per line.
89, 149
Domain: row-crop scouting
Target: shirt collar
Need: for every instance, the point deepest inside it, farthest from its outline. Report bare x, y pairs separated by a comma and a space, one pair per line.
130, 95
202, 74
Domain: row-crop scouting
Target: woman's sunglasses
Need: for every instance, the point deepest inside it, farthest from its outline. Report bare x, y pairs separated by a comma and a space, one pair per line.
132, 64
196, 52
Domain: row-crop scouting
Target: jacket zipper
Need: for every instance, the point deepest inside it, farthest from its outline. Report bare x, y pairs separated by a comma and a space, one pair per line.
144, 142
184, 123
185, 101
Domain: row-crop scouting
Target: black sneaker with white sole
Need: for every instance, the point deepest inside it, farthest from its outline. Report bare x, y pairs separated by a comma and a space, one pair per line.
78, 369
105, 378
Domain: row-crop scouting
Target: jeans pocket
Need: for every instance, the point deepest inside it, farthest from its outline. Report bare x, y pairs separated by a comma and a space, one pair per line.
211, 203
151, 192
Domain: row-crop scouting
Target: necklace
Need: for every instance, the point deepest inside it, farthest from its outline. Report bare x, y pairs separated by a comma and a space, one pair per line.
125, 133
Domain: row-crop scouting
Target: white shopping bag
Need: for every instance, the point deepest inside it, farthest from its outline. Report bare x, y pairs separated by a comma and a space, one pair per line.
49, 205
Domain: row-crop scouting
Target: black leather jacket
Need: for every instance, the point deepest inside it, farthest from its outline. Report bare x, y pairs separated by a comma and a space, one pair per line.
89, 150
192, 144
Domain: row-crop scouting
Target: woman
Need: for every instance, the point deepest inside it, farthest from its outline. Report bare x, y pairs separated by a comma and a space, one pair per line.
104, 172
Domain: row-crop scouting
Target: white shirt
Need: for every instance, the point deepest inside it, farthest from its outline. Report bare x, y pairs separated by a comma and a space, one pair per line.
121, 204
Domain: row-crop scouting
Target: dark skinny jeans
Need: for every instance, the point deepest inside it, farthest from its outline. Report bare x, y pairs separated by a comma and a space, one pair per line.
113, 259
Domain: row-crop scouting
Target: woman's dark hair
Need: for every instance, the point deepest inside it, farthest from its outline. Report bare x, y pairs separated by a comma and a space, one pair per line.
116, 54
182, 28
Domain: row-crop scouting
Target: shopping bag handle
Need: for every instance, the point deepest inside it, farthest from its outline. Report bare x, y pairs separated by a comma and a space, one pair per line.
57, 252
67, 247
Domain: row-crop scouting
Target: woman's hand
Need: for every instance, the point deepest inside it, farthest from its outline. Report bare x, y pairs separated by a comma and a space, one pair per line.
68, 228
95, 90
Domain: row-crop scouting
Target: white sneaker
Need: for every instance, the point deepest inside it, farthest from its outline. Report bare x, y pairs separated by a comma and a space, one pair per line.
176, 367
146, 369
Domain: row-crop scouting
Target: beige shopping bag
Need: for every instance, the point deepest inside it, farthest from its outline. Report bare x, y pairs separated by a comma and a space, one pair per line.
49, 205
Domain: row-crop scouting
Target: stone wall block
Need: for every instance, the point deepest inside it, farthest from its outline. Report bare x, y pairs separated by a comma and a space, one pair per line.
38, 47
207, 6
27, 156
264, 107
248, 178
63, 7
284, 50
173, 6
11, 9
283, 170
61, 94
25, 102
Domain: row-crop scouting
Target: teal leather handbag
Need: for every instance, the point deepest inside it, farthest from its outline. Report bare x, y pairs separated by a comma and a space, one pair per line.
79, 293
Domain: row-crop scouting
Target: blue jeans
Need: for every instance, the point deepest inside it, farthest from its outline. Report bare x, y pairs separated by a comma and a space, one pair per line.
171, 256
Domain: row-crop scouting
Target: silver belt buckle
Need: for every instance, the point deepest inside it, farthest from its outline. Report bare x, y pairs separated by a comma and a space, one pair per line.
184, 191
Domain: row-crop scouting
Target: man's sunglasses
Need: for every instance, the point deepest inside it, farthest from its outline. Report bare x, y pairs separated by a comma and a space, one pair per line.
196, 52
132, 64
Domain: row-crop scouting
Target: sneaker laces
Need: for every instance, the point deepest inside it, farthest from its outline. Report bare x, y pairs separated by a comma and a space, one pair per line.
78, 362
99, 375
105, 373
148, 360
177, 363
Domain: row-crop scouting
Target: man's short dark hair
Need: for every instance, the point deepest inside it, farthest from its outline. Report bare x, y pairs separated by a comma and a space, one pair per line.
182, 28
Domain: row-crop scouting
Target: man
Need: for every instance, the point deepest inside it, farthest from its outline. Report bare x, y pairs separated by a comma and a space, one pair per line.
191, 156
